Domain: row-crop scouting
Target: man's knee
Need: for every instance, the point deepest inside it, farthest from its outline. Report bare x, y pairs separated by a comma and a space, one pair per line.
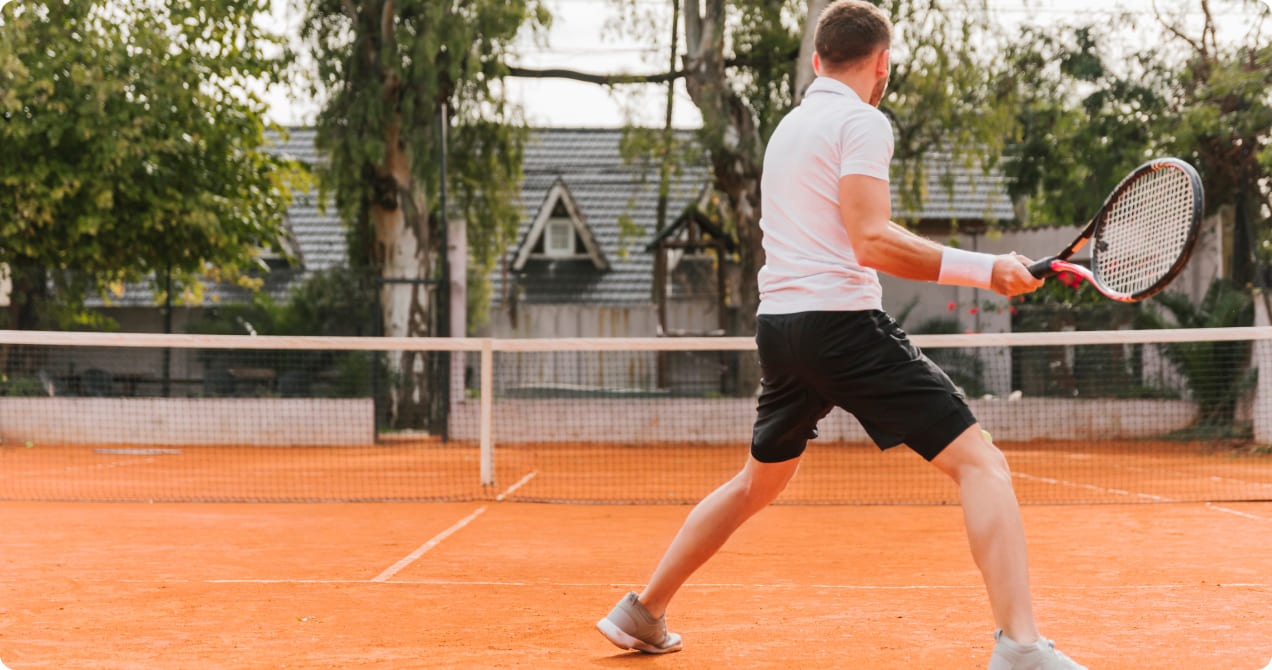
760, 483
972, 454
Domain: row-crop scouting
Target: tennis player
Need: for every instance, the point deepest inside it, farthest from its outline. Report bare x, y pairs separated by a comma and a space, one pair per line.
824, 341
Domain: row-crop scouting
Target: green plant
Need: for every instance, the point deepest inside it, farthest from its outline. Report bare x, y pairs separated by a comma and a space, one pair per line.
24, 386
1217, 374
336, 302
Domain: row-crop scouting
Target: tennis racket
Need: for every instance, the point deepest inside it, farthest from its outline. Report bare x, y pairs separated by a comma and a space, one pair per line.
1142, 236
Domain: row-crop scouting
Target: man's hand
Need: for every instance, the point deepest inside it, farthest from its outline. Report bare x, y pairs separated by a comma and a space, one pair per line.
1011, 275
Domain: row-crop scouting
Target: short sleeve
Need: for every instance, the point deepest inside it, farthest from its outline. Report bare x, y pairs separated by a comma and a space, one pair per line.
865, 145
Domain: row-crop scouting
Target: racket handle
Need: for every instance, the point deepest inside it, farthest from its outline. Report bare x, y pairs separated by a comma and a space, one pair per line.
1042, 269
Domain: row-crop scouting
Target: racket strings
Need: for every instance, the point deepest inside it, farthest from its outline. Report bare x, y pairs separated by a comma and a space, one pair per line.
1145, 232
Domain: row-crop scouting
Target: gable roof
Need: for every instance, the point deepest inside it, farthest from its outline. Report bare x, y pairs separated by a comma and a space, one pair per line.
557, 198
699, 230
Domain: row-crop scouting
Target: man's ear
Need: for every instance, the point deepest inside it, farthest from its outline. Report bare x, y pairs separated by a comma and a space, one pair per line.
816, 64
883, 63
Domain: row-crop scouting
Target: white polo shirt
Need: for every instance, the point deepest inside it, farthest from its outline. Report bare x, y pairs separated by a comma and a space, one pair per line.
809, 261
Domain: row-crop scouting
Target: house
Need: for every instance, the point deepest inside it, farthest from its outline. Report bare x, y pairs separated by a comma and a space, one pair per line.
579, 267
583, 264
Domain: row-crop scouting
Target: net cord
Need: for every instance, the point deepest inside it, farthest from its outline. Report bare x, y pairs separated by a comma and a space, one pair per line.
479, 344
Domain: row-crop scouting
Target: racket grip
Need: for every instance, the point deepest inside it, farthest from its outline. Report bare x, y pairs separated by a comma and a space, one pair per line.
1042, 269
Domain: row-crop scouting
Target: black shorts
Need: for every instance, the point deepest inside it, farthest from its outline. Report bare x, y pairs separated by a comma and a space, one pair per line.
861, 361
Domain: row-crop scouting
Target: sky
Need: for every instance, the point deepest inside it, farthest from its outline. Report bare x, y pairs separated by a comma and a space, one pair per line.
582, 37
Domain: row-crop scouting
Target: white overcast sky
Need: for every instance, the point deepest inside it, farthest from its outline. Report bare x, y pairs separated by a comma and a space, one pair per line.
582, 38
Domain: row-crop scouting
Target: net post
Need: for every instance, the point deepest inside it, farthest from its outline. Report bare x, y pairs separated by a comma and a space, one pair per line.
487, 412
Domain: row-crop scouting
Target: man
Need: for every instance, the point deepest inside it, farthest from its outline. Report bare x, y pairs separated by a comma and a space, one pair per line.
824, 341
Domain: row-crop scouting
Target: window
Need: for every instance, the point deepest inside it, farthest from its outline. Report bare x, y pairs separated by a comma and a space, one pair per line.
558, 238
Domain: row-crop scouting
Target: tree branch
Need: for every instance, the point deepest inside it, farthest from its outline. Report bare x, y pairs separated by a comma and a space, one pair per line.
613, 79
590, 78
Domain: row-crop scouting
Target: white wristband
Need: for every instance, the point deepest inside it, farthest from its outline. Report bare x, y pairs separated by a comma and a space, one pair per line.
965, 268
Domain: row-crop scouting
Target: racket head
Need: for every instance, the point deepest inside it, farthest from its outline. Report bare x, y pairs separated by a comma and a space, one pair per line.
1146, 230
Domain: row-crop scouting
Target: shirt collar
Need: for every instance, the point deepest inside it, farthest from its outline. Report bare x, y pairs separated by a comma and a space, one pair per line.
829, 85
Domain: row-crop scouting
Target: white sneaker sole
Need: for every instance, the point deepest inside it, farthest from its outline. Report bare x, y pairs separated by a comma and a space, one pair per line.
622, 640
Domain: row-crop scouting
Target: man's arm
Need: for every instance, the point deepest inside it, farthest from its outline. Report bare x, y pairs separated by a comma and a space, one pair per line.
865, 207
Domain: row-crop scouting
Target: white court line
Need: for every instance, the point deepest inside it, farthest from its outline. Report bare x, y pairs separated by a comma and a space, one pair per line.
1101, 489
437, 539
1244, 482
714, 586
424, 548
520, 482
1092, 487
1229, 510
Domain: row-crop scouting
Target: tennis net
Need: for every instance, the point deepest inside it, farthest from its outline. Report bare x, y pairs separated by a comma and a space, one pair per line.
1114, 416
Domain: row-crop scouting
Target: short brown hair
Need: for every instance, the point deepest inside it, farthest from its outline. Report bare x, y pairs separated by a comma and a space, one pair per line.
850, 30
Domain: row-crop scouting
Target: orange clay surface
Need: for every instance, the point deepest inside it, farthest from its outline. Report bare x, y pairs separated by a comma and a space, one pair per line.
1045, 472
487, 584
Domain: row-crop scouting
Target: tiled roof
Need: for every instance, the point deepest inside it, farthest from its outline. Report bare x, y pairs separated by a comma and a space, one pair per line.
954, 190
589, 162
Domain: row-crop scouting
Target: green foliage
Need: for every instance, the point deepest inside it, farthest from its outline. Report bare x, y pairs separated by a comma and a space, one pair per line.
1082, 125
23, 386
333, 303
1087, 371
766, 38
336, 302
131, 145
388, 67
1217, 373
945, 95
1088, 113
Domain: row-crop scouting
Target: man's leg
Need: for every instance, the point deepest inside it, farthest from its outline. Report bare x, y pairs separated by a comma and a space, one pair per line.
711, 522
638, 622
994, 529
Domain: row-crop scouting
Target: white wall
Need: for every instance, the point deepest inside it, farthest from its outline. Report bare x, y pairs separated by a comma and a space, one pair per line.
267, 422
729, 420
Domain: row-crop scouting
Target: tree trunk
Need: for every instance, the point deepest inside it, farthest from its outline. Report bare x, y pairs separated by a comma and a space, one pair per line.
731, 134
402, 252
804, 74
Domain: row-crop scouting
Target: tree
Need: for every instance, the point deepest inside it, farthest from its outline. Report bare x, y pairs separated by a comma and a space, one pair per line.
744, 67
133, 148
395, 74
1086, 118
1082, 124
1220, 116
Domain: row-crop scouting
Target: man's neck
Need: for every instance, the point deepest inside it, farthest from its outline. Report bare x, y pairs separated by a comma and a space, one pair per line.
858, 79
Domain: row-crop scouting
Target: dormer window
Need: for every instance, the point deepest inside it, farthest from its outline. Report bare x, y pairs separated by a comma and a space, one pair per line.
559, 232
558, 238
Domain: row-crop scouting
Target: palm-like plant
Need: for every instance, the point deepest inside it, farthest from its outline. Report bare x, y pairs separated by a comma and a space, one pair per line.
1216, 373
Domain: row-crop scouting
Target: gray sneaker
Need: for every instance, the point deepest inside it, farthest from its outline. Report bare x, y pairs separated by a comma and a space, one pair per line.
1009, 655
630, 626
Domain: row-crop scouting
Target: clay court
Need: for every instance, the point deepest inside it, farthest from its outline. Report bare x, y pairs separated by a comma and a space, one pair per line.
497, 582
